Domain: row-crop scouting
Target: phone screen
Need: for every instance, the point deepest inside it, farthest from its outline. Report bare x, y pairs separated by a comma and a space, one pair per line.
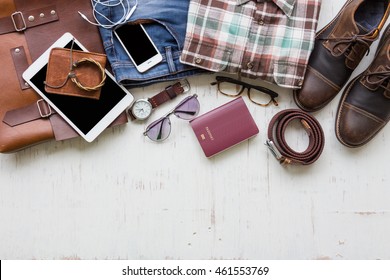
136, 42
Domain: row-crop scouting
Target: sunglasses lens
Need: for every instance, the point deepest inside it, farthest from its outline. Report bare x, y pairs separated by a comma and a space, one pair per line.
159, 130
188, 109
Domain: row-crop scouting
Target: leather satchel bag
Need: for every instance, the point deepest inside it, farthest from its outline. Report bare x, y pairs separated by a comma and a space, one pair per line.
27, 29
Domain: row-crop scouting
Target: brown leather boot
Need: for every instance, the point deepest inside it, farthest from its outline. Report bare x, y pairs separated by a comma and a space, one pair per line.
365, 104
339, 48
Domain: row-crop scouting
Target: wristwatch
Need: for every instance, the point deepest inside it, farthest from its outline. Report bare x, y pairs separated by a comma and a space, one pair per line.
142, 108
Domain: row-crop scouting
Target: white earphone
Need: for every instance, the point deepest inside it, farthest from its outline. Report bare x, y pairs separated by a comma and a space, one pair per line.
127, 12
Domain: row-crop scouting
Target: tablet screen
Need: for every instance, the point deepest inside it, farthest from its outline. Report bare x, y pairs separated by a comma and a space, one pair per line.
85, 113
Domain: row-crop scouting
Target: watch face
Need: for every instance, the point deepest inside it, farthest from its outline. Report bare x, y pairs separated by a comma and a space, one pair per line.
142, 109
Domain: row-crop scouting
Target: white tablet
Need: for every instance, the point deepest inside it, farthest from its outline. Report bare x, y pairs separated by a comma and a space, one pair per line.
89, 117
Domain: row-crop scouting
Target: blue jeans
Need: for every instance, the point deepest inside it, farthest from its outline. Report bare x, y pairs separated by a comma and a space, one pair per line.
167, 30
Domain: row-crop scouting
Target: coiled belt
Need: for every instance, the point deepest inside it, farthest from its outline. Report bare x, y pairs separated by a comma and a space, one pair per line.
277, 143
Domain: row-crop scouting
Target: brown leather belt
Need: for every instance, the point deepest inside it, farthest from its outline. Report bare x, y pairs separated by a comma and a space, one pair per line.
277, 143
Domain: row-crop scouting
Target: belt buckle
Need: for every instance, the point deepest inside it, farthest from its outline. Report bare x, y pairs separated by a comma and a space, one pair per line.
271, 146
40, 103
24, 27
282, 160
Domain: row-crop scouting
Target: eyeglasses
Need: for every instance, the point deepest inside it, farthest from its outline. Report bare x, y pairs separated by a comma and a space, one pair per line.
257, 94
160, 129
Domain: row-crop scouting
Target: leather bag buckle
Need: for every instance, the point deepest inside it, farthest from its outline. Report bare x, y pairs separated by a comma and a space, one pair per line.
44, 108
13, 17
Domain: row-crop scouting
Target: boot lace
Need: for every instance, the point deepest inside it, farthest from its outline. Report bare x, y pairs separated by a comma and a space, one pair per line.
383, 77
351, 43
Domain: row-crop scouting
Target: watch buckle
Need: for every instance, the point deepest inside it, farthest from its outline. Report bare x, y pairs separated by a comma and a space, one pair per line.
185, 85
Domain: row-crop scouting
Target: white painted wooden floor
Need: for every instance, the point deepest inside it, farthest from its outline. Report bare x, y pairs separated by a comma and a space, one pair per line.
125, 197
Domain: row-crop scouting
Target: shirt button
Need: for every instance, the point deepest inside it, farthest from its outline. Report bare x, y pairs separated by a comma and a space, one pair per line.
198, 60
249, 65
261, 22
300, 82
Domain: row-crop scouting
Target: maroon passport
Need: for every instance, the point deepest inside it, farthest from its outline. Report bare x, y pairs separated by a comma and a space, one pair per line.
224, 127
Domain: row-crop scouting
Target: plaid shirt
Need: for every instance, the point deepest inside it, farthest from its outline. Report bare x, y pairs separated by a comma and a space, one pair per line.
270, 40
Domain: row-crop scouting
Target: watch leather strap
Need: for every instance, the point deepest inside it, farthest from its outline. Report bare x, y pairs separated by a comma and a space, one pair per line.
277, 143
167, 94
170, 92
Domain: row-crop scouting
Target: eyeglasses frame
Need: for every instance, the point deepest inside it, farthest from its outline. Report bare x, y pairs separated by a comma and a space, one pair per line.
271, 93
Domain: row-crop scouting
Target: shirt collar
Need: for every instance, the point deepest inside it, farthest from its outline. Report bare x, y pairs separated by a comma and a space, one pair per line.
287, 6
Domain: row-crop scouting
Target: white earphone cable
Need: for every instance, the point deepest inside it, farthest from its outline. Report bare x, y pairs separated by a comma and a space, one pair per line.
127, 12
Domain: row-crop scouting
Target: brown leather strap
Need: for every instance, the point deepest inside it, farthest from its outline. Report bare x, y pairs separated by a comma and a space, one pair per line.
19, 57
168, 93
61, 129
34, 111
38, 110
277, 143
22, 20
42, 110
